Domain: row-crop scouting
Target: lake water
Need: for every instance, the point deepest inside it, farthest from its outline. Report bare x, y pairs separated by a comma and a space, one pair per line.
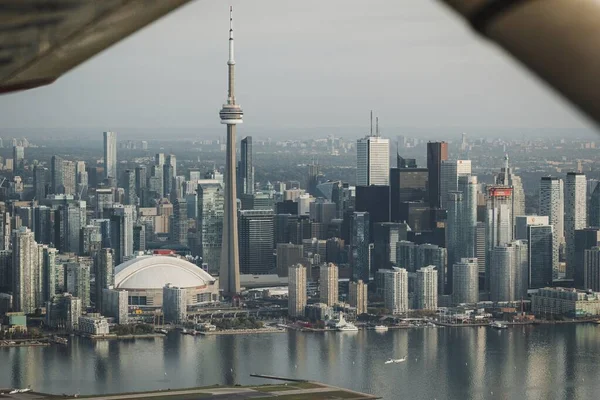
526, 362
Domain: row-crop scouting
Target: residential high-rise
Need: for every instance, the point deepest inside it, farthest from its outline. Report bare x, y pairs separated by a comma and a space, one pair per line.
174, 304
104, 272
121, 231
543, 255
426, 288
312, 178
585, 239
395, 290
231, 114
297, 290
552, 205
499, 229
509, 271
130, 187
372, 160
171, 160
507, 178
328, 278
450, 170
110, 155
436, 153
575, 215
245, 169
256, 241
63, 176
210, 223
481, 247
115, 304
69, 218
42, 224
357, 296
360, 249
48, 272
288, 254
465, 281
77, 281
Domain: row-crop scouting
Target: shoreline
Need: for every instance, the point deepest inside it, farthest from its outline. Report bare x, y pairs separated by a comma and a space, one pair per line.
242, 332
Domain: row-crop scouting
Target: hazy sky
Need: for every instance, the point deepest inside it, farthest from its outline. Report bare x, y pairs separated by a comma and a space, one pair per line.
301, 63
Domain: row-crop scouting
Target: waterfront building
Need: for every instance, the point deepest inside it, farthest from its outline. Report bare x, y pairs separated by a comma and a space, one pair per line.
297, 290
63, 312
575, 217
563, 301
465, 281
509, 272
174, 304
329, 278
395, 290
93, 324
427, 288
115, 304
542, 255
26, 279
357, 296
104, 271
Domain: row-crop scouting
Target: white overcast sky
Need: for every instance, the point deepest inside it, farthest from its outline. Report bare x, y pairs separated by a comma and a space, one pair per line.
301, 63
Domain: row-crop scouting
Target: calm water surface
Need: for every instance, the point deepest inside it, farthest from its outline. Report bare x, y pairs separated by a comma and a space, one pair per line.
542, 362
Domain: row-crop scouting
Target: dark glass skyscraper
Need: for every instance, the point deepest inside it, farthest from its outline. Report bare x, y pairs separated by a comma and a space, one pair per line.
541, 254
436, 153
407, 184
245, 169
256, 241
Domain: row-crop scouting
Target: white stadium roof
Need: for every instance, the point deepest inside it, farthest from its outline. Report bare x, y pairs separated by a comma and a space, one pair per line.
154, 272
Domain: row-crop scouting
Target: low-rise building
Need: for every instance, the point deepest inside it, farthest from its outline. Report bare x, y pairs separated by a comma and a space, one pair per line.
318, 311
563, 301
93, 324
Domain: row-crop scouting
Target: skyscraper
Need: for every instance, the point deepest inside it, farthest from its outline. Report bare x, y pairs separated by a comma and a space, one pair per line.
594, 211
77, 281
372, 160
407, 184
575, 214
121, 231
288, 254
245, 179
450, 170
25, 271
507, 178
386, 236
509, 271
360, 250
231, 114
171, 160
543, 255
523, 222
591, 269
328, 278
585, 239
427, 288
110, 155
256, 241
465, 283
174, 304
552, 205
210, 223
180, 222
40, 182
130, 187
104, 271
18, 159
499, 229
395, 290
436, 153
297, 290
357, 296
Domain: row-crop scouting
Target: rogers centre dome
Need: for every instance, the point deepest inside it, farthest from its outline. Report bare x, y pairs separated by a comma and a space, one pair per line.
145, 277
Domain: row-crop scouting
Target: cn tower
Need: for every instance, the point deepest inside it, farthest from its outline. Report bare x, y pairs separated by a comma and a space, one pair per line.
231, 114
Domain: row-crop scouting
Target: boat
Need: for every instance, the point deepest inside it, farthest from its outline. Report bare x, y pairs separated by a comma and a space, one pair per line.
15, 391
380, 328
395, 361
498, 325
163, 331
344, 326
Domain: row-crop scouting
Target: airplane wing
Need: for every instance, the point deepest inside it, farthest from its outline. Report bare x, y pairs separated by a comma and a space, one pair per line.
42, 39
